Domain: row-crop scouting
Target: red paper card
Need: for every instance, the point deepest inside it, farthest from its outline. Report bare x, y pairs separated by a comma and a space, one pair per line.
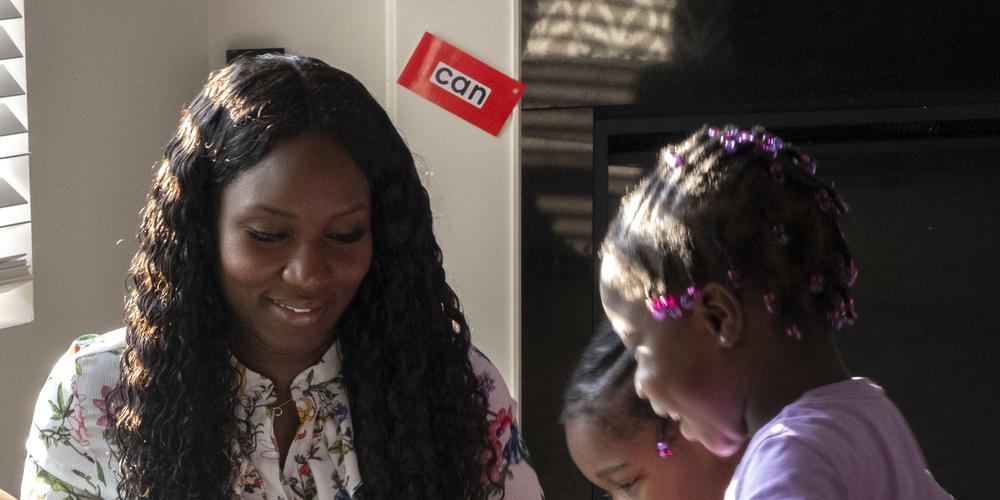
461, 84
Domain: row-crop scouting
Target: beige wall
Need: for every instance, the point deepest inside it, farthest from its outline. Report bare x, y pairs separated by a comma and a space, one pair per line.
106, 82
474, 185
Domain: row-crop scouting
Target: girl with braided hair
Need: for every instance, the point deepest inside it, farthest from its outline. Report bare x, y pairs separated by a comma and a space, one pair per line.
289, 330
620, 445
725, 273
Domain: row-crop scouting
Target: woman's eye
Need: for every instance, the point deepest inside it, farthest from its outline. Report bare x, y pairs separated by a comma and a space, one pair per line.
348, 237
266, 237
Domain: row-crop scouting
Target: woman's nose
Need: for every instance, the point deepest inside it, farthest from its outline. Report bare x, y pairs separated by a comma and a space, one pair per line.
309, 267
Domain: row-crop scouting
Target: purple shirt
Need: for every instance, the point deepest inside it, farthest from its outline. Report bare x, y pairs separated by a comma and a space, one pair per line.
845, 441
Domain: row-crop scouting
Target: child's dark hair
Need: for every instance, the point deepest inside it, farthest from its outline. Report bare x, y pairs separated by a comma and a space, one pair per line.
601, 388
742, 208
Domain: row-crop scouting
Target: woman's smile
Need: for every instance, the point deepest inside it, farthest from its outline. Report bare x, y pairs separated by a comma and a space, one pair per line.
302, 313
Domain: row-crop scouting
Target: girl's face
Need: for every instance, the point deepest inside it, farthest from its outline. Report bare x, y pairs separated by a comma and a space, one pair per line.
682, 370
294, 244
629, 466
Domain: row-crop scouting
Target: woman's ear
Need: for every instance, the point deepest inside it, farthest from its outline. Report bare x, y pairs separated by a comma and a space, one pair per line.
722, 313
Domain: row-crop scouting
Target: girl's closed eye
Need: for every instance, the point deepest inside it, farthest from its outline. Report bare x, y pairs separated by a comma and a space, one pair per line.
628, 486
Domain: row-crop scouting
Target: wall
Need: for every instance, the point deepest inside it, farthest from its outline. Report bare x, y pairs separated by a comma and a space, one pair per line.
107, 80
106, 83
471, 175
349, 35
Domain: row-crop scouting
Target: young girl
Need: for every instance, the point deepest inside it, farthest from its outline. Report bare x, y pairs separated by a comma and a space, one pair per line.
725, 273
620, 445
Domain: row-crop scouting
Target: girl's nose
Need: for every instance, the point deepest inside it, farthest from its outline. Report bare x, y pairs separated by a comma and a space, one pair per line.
638, 386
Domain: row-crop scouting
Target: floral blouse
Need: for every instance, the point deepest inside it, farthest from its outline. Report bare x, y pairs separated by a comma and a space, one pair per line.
69, 456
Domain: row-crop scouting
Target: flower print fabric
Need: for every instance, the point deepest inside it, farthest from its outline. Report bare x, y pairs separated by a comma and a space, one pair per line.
69, 455
511, 477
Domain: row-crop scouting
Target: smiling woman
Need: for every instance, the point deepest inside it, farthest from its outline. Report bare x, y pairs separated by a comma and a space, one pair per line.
290, 333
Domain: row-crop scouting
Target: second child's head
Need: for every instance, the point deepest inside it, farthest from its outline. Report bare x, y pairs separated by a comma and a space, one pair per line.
725, 270
620, 445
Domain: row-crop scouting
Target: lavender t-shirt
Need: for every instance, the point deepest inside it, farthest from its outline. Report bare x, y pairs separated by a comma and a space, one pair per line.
840, 441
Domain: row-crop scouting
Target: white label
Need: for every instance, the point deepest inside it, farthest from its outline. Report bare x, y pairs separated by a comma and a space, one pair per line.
455, 82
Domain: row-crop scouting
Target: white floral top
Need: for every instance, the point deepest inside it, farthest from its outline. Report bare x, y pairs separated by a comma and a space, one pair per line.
69, 456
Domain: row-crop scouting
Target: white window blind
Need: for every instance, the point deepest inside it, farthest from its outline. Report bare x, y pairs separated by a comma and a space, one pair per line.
16, 290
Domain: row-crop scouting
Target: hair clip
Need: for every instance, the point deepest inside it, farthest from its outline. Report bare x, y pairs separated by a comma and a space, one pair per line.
662, 306
666, 305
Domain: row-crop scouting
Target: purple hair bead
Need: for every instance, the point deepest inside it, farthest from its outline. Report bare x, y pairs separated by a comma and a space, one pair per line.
672, 160
850, 274
657, 312
687, 300
663, 449
769, 302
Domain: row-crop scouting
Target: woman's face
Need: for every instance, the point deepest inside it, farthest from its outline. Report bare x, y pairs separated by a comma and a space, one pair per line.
629, 466
294, 244
681, 369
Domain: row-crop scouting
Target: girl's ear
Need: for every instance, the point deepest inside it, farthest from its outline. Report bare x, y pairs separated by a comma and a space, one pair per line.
722, 314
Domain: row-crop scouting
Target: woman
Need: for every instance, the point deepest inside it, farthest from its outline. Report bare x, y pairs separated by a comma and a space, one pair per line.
290, 333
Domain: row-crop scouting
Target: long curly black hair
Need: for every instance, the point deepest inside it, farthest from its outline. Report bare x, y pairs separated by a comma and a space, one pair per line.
419, 415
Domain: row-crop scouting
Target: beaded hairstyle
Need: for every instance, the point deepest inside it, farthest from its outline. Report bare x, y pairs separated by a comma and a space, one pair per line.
741, 208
